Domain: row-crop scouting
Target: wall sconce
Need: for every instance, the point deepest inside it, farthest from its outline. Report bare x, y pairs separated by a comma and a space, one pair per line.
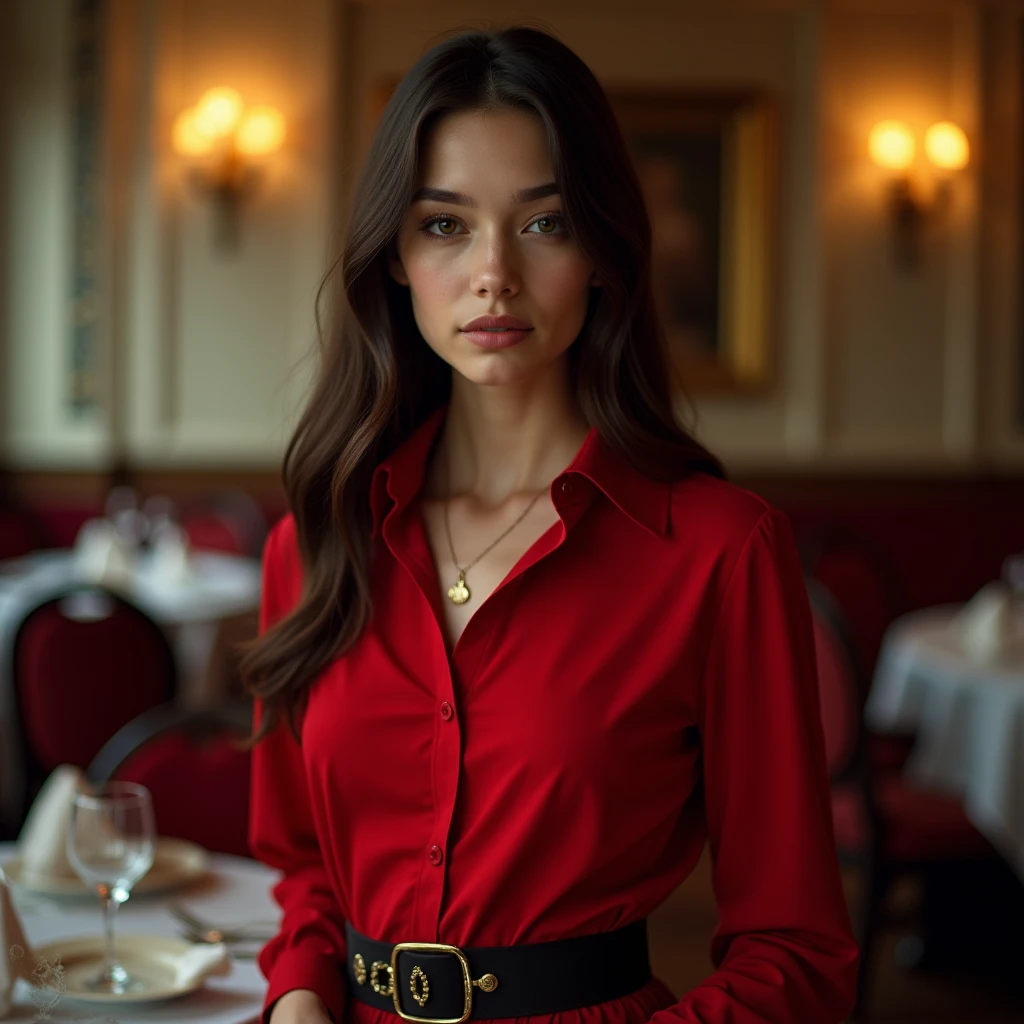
892, 147
225, 141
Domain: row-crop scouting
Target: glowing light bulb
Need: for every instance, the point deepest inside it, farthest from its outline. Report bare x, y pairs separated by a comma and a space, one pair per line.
186, 137
947, 146
261, 131
892, 145
218, 112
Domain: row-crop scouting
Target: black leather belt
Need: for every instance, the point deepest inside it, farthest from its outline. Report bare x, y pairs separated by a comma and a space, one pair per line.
441, 984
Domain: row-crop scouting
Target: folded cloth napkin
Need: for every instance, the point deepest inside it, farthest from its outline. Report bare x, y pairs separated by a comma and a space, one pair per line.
202, 960
985, 624
42, 842
15, 954
170, 555
103, 555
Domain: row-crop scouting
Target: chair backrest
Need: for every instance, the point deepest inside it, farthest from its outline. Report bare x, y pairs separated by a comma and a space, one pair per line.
84, 661
195, 767
841, 685
862, 581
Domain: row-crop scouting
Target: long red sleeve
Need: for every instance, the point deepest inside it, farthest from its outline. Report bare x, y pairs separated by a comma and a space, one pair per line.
783, 947
310, 946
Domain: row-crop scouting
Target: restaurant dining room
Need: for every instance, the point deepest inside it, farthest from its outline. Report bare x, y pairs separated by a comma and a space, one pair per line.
835, 192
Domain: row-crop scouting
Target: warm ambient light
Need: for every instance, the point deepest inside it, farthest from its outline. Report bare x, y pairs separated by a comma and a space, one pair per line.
892, 145
916, 195
947, 146
224, 141
218, 112
187, 138
261, 132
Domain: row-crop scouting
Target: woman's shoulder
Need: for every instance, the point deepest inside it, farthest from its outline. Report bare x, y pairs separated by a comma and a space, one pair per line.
718, 514
282, 541
282, 563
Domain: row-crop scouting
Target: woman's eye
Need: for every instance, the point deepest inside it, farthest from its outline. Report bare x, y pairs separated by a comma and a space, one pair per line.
547, 225
445, 226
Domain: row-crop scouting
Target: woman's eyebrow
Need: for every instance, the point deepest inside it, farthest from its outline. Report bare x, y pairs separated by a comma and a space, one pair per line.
523, 195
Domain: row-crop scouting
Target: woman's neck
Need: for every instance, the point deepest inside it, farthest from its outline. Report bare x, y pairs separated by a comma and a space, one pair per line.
495, 444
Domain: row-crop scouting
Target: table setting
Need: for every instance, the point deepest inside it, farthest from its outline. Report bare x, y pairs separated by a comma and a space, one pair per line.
103, 919
143, 554
953, 675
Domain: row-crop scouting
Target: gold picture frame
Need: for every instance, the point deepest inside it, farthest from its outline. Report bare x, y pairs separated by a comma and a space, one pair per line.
708, 164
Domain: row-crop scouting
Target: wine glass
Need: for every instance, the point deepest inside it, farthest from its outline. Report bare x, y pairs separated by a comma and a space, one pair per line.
111, 840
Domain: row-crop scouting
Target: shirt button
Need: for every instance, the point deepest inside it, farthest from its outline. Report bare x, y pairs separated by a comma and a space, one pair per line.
436, 856
566, 487
446, 710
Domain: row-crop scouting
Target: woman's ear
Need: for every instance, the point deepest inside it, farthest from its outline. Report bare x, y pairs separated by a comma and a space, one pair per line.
395, 266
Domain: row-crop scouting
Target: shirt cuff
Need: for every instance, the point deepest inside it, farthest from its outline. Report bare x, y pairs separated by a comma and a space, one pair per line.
297, 968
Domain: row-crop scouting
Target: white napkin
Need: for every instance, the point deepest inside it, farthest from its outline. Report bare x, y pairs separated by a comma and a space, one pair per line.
202, 960
15, 953
103, 555
985, 624
42, 842
170, 554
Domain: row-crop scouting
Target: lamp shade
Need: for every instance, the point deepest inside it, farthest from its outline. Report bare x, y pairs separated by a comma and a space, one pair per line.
218, 112
947, 146
187, 139
261, 131
891, 145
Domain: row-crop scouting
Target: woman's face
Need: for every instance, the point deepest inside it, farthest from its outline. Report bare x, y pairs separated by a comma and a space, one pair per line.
484, 236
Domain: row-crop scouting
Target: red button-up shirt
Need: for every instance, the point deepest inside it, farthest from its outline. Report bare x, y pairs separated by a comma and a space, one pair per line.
642, 682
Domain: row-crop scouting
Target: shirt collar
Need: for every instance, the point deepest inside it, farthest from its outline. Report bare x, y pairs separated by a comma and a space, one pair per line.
645, 500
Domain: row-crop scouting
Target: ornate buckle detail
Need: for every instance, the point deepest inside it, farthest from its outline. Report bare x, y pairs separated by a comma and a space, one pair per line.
420, 997
431, 947
359, 966
375, 969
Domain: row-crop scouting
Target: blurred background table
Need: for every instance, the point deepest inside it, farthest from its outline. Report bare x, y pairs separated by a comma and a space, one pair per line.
237, 890
220, 591
968, 716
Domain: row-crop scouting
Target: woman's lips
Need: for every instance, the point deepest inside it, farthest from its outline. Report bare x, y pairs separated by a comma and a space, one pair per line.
497, 339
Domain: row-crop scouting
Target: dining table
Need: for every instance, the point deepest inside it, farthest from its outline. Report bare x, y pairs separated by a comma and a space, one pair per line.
233, 891
189, 607
967, 714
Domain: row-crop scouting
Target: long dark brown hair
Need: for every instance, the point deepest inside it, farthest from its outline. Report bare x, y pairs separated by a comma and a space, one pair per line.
378, 379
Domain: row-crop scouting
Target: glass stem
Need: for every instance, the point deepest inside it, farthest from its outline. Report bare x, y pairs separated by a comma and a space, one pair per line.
109, 917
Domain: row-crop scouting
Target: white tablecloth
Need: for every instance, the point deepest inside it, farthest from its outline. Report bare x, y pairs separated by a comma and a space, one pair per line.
237, 891
969, 720
219, 586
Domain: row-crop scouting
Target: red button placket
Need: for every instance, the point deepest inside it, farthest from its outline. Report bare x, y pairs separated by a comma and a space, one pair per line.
445, 767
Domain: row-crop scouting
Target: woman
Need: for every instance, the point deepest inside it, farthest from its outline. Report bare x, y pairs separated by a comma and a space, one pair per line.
523, 651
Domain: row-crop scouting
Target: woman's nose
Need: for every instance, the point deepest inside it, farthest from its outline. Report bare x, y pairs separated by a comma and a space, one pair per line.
494, 269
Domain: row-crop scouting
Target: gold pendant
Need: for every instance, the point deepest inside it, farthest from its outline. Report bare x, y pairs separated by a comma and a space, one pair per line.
459, 594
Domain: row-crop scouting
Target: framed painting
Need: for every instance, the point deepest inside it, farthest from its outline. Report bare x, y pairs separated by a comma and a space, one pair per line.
707, 164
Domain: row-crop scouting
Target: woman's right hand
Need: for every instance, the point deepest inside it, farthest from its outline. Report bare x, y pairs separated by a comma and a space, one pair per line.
300, 1006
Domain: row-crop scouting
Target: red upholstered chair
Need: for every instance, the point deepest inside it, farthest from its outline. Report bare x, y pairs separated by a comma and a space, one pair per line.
85, 661
19, 533
193, 763
866, 587
884, 825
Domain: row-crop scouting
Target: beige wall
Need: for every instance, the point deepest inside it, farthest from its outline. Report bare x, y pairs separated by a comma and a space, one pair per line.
878, 369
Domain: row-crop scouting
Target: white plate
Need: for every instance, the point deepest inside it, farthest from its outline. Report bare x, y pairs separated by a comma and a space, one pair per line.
176, 863
149, 959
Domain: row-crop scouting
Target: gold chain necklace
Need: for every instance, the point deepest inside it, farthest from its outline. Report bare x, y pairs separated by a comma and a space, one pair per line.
459, 593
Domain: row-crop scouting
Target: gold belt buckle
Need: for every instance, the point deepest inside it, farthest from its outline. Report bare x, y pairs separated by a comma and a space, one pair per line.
431, 947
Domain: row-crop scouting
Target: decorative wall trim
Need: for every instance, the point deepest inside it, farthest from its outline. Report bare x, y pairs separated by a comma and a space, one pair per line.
87, 212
